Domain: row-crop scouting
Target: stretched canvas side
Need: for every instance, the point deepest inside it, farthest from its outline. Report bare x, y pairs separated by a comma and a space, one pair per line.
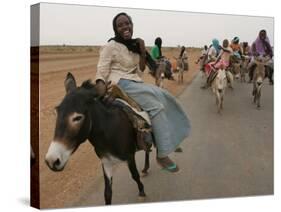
34, 102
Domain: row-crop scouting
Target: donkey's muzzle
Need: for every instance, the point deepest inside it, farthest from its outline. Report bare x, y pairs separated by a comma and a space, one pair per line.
54, 165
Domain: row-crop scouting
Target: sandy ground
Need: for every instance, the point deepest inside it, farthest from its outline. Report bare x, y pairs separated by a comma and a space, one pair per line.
63, 188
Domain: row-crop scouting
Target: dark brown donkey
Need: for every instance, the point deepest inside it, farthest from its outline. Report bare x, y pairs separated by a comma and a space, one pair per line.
82, 115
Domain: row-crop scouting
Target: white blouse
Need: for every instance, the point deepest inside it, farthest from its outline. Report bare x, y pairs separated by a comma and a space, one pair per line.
116, 62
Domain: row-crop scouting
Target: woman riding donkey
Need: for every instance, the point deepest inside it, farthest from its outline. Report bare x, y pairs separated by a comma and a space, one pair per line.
156, 54
183, 57
236, 48
221, 61
203, 58
261, 47
120, 62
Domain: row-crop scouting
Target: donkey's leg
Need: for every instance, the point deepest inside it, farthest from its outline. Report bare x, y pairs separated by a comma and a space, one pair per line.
218, 101
108, 184
161, 83
219, 107
181, 76
229, 77
255, 95
270, 75
157, 82
258, 99
135, 175
255, 98
222, 101
146, 163
254, 90
182, 70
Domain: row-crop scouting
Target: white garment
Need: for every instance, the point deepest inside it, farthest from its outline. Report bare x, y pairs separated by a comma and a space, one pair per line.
212, 54
117, 62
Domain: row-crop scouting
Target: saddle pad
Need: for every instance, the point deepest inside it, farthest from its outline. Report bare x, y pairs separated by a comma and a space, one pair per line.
142, 114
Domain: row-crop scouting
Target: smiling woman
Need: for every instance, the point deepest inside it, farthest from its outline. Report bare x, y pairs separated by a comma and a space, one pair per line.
123, 29
120, 62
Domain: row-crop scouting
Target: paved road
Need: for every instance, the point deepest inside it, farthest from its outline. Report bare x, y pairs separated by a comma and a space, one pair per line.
226, 155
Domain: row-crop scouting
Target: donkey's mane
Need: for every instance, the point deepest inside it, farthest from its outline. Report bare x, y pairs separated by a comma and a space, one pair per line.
88, 84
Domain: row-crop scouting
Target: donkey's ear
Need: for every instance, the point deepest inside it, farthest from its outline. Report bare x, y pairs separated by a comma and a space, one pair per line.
69, 83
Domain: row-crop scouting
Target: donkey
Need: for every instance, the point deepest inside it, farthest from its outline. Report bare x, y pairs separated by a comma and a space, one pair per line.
259, 75
160, 74
236, 70
244, 67
82, 115
235, 67
180, 68
218, 86
163, 70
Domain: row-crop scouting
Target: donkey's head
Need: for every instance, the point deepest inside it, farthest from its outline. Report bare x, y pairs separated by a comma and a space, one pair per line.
236, 70
73, 123
259, 73
220, 80
245, 61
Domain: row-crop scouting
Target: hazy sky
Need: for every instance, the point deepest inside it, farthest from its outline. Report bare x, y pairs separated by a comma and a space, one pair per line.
91, 25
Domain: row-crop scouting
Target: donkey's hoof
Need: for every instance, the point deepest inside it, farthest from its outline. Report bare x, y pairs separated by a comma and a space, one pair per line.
141, 199
179, 149
144, 173
141, 196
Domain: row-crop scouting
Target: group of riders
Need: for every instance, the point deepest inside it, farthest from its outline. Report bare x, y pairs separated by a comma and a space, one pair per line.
224, 57
124, 57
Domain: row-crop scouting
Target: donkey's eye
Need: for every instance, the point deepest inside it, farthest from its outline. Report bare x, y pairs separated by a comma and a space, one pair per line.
77, 118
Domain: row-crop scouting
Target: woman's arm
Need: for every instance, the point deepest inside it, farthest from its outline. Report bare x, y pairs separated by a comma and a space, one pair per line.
225, 50
254, 50
104, 63
268, 49
103, 69
142, 54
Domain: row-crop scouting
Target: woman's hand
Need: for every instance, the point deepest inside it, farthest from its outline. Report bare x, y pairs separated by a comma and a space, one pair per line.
102, 87
141, 44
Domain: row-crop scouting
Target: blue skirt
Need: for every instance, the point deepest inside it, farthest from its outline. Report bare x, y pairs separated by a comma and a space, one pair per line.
170, 124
